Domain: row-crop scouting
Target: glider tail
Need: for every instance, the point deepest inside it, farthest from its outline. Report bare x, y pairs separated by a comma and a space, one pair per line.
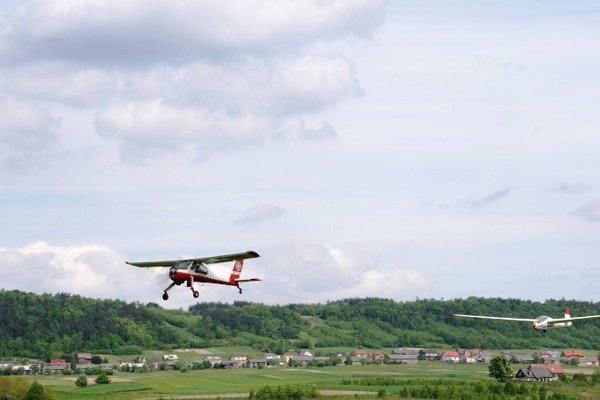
236, 271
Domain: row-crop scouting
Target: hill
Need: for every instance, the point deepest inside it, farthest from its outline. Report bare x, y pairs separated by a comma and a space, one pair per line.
43, 326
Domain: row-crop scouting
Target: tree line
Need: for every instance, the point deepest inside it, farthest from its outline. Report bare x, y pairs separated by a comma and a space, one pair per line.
57, 325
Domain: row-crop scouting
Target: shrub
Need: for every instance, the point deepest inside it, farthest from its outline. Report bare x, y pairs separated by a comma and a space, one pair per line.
81, 381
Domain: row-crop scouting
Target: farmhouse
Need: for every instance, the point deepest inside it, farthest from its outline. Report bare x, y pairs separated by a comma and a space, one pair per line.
83, 358
403, 358
428, 354
571, 354
450, 356
535, 373
588, 362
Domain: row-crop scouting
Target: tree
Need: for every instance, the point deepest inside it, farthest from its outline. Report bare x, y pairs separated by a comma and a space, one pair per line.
102, 378
35, 392
81, 381
499, 368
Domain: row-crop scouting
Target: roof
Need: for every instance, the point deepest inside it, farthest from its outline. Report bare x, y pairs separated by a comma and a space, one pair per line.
572, 353
450, 354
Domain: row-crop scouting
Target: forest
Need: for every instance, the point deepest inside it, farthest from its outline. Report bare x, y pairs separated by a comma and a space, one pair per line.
55, 325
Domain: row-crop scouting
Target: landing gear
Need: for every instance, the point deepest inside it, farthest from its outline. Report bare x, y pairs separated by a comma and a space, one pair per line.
196, 294
165, 295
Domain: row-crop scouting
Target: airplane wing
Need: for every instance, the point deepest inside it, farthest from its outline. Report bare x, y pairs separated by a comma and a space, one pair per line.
248, 280
574, 319
496, 318
204, 260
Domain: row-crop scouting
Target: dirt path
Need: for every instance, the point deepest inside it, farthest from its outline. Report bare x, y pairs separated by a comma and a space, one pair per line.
245, 395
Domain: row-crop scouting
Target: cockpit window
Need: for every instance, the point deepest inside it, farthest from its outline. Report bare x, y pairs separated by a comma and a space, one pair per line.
200, 268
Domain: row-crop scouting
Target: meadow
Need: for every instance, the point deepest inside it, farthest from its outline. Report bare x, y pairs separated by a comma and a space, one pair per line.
389, 381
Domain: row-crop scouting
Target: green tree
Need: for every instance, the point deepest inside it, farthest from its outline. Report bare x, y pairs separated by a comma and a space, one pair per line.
499, 368
35, 392
81, 381
102, 378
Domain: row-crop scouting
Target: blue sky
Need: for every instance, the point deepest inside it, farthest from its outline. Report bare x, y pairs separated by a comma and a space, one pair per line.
363, 148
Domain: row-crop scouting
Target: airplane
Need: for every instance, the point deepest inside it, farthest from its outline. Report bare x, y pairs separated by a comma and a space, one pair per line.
540, 323
196, 270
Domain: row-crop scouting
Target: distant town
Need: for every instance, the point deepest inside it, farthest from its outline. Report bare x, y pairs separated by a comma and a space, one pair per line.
543, 365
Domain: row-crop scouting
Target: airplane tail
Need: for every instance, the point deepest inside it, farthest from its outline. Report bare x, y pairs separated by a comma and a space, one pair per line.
567, 313
236, 271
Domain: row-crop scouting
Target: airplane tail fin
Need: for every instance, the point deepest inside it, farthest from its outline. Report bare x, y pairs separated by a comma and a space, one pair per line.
236, 271
567, 313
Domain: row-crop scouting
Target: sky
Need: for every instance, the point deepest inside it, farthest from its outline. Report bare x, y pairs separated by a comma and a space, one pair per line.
363, 148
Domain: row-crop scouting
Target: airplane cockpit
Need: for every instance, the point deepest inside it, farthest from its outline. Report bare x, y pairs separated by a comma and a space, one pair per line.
200, 268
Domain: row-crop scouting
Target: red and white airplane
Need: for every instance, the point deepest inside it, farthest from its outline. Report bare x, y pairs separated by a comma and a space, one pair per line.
540, 323
196, 270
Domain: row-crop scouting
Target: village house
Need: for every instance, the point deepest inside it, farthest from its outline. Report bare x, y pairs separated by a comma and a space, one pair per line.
170, 357
555, 369
428, 354
535, 373
272, 356
56, 366
549, 357
377, 356
83, 358
450, 356
571, 354
213, 360
256, 363
520, 358
82, 368
588, 362
301, 357
362, 353
403, 358
467, 355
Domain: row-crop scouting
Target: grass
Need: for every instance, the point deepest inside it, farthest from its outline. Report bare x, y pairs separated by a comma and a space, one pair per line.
173, 384
127, 386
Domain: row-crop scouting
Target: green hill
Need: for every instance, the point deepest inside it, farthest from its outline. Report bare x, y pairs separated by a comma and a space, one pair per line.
44, 326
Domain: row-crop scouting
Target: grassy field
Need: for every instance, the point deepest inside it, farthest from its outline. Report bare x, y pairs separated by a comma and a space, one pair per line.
173, 384
239, 382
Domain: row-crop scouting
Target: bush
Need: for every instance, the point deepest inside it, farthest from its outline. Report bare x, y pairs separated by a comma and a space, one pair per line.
102, 378
81, 381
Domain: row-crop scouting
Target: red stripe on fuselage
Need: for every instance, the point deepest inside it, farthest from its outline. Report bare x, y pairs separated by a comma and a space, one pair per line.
183, 277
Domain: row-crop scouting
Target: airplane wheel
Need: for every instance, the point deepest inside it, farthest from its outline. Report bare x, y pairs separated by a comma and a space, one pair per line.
165, 296
196, 294
240, 291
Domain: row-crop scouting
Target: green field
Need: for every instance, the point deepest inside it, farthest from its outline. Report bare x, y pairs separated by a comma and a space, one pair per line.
198, 384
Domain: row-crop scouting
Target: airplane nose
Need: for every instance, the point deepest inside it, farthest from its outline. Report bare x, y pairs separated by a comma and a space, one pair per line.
172, 272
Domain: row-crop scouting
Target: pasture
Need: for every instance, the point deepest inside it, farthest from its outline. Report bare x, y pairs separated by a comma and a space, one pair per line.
230, 382
467, 381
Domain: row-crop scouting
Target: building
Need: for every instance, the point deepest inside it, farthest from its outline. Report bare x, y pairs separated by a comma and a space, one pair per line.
403, 358
450, 356
83, 358
428, 354
536, 372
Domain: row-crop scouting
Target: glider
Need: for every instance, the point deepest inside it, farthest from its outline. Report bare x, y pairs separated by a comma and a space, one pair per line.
540, 323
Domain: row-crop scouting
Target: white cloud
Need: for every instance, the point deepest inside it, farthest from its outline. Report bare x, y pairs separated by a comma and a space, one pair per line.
61, 83
27, 131
320, 273
149, 128
259, 213
131, 32
88, 270
589, 212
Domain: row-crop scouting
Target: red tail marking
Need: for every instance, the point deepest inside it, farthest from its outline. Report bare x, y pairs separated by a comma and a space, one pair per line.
237, 270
